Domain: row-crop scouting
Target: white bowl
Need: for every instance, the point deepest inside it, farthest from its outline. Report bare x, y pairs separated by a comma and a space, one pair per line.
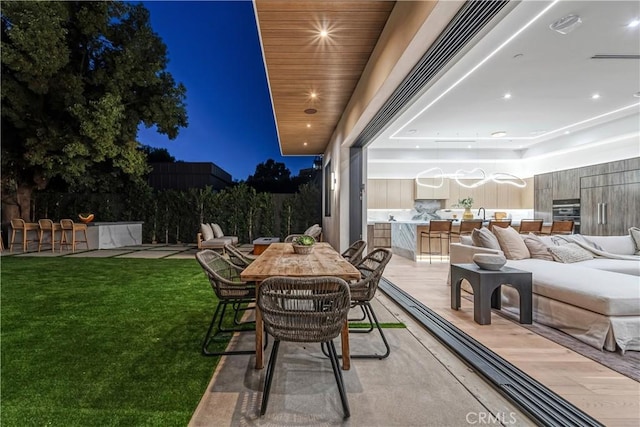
489, 261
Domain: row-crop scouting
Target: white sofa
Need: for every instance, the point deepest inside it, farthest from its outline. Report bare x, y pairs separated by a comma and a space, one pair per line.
596, 301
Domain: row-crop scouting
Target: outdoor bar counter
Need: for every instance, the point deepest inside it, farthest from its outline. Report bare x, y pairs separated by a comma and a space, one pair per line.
109, 235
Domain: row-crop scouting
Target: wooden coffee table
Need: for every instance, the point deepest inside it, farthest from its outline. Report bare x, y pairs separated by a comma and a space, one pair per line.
261, 244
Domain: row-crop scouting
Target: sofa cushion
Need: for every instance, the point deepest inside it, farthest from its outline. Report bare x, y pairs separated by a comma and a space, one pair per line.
511, 243
216, 243
485, 239
217, 231
537, 247
206, 231
604, 292
569, 253
623, 266
635, 235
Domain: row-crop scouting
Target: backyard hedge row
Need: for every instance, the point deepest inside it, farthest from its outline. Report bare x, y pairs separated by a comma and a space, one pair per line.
174, 216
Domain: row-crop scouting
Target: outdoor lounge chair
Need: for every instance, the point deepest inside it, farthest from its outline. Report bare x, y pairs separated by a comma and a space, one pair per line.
304, 310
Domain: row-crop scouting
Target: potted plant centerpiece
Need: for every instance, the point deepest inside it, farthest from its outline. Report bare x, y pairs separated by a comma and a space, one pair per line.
467, 204
303, 244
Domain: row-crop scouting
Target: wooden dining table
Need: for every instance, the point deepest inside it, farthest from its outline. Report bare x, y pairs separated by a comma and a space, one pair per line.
279, 259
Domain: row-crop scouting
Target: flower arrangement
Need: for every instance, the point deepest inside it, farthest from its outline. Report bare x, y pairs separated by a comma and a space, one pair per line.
465, 203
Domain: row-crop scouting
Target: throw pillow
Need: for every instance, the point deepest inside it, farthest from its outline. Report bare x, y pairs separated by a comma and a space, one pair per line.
537, 248
511, 243
206, 231
569, 253
217, 231
635, 235
484, 238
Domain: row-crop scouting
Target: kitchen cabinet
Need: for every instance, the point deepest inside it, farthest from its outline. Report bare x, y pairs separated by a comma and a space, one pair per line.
542, 196
609, 203
390, 194
382, 235
429, 193
566, 184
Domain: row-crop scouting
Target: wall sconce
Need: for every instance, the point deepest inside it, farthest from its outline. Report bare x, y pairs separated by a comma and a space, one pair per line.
333, 180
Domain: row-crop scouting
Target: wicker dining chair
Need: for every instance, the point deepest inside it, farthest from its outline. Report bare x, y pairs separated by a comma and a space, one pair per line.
362, 292
237, 258
304, 310
224, 278
353, 253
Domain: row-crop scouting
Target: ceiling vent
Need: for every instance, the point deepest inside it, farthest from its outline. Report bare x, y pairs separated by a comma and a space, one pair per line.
566, 24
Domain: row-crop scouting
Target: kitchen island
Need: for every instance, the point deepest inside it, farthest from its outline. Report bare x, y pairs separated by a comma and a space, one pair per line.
405, 238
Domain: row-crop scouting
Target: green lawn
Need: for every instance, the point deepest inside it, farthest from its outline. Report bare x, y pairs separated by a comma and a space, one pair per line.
102, 341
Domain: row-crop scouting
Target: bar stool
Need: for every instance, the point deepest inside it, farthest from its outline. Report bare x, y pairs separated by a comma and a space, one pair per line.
18, 224
530, 226
562, 227
504, 223
438, 229
467, 226
48, 226
68, 226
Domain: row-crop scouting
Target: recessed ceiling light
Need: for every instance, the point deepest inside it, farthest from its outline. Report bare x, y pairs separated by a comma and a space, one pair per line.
324, 33
314, 95
310, 111
506, 96
468, 146
499, 134
634, 23
304, 143
417, 146
308, 125
595, 96
567, 132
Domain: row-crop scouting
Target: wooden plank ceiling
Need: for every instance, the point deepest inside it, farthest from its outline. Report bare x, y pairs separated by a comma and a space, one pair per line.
308, 71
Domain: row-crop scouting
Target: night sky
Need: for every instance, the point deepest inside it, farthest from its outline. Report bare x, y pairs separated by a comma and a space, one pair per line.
214, 50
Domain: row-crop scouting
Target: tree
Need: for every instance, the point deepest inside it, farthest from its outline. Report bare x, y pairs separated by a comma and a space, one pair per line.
157, 155
78, 78
271, 177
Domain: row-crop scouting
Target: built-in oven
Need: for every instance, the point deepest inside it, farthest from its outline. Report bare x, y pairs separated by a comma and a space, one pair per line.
567, 209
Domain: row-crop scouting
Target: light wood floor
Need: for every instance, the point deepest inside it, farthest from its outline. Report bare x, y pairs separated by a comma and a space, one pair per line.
611, 398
